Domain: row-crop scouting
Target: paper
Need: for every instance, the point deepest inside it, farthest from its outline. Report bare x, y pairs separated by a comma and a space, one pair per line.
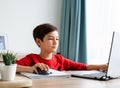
53, 73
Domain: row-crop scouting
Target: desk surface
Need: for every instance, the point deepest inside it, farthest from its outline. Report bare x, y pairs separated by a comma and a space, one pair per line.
18, 82
59, 82
73, 82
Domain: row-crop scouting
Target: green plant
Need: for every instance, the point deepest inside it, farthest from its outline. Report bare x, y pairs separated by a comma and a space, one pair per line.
8, 57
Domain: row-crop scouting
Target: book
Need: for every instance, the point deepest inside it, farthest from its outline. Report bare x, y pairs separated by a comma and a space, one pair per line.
52, 73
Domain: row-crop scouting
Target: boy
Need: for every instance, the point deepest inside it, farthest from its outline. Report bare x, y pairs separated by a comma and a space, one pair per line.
47, 38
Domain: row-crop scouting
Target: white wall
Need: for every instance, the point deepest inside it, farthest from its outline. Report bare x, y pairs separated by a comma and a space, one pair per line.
115, 19
103, 17
19, 17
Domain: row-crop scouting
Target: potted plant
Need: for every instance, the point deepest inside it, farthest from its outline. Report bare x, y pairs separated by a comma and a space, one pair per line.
8, 68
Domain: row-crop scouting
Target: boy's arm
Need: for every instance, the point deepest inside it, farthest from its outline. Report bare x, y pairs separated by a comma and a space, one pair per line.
102, 67
32, 69
21, 68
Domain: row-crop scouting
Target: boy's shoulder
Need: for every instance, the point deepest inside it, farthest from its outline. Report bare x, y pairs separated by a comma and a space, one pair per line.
58, 56
32, 55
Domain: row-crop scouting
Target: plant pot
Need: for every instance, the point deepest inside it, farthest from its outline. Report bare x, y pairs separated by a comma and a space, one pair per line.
8, 72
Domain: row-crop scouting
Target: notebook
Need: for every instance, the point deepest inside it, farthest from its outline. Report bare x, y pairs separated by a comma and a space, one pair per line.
113, 70
53, 73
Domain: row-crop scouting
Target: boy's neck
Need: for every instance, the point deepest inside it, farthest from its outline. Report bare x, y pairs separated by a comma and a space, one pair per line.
46, 56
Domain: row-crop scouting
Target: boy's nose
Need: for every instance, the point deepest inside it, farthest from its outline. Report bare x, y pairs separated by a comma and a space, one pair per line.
55, 41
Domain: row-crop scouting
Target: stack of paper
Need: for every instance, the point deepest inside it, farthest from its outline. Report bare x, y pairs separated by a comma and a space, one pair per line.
53, 73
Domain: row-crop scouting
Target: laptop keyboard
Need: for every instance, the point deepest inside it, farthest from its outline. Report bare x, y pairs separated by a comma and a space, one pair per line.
95, 75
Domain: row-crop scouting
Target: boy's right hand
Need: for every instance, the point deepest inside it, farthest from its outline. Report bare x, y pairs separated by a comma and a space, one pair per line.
42, 66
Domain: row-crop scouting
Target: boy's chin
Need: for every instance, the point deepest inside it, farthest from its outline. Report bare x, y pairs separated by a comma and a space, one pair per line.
54, 50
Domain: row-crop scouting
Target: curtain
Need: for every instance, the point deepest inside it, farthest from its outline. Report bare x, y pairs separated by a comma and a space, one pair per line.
73, 30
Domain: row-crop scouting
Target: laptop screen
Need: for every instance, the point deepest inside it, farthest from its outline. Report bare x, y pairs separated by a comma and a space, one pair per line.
114, 56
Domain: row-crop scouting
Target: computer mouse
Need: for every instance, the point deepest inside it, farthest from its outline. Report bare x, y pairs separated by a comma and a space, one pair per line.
42, 72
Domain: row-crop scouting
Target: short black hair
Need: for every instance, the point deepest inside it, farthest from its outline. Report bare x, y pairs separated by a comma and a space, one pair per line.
41, 30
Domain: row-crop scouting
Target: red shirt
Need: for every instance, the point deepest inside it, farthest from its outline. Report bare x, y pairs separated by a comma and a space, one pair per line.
58, 62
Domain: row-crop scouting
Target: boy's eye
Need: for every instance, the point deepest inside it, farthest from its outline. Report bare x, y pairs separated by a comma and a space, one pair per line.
57, 39
53, 38
50, 38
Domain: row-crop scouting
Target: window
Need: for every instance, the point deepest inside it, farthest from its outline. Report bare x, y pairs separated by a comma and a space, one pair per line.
2, 43
99, 30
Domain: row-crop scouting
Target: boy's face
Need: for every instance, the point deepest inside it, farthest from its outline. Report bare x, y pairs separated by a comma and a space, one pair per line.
50, 42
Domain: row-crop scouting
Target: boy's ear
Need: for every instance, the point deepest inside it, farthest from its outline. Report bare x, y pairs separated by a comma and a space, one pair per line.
38, 41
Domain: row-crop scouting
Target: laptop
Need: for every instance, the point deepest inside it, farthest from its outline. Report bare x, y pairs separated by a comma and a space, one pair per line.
113, 70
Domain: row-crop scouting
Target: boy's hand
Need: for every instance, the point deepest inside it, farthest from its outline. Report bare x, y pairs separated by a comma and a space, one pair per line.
102, 67
42, 66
